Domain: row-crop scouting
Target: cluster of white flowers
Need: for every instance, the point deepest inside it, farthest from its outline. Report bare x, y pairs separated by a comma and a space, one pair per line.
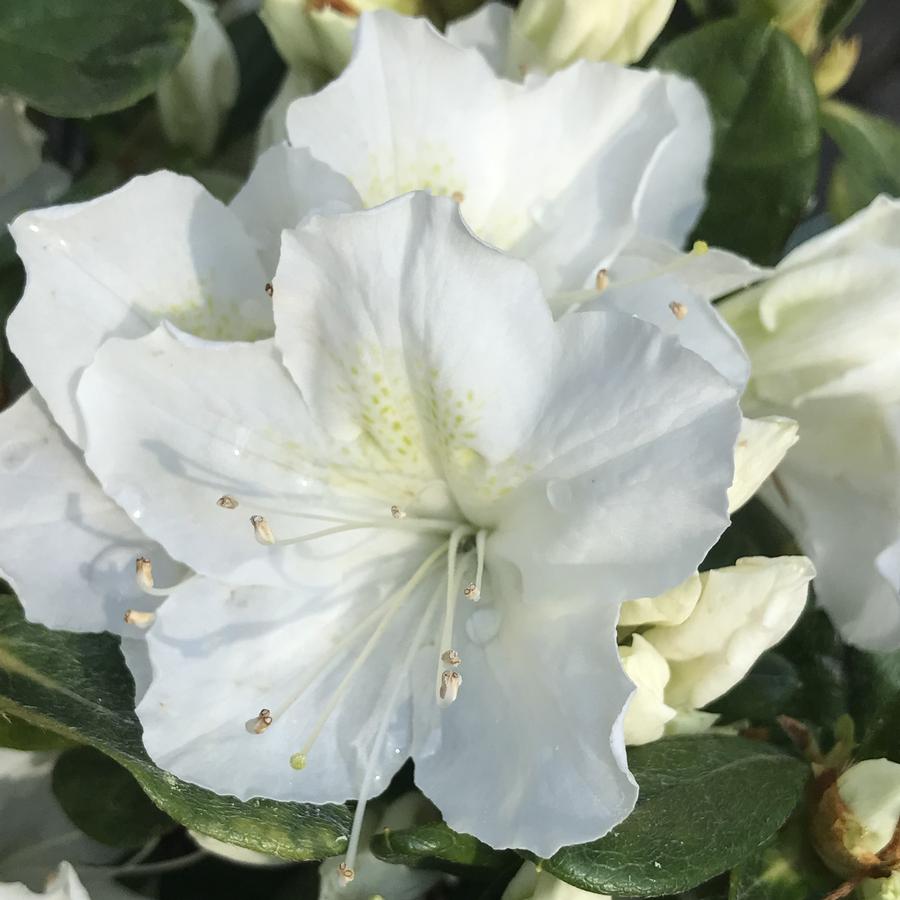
415, 448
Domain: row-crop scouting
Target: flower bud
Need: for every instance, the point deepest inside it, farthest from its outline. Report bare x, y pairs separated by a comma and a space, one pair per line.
562, 31
196, 96
856, 823
318, 34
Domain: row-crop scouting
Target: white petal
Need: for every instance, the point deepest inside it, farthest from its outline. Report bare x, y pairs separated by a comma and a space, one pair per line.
486, 30
195, 97
400, 327
762, 444
220, 655
285, 186
158, 248
630, 460
648, 277
167, 454
564, 197
67, 550
742, 612
670, 608
647, 714
531, 753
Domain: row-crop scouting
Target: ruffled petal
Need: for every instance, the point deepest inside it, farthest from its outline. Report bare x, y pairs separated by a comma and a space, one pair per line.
158, 248
65, 547
762, 445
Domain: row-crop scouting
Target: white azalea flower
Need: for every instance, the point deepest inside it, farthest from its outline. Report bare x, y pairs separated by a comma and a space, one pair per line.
315, 37
596, 204
158, 248
553, 34
194, 99
25, 180
529, 884
823, 335
437, 429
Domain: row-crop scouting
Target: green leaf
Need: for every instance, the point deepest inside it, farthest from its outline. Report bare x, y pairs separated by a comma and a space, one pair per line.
706, 803
85, 780
435, 846
77, 685
769, 689
21, 735
766, 117
838, 15
79, 58
871, 158
875, 695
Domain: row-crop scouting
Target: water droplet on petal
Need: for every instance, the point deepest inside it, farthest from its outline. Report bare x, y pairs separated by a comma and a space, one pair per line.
133, 501
14, 455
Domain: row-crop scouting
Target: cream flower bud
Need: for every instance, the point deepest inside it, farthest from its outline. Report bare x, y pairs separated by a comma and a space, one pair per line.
530, 884
197, 95
670, 608
742, 611
318, 34
562, 31
856, 824
647, 714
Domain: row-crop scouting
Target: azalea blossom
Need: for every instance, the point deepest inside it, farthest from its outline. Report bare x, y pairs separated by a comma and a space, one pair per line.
423, 481
822, 336
552, 34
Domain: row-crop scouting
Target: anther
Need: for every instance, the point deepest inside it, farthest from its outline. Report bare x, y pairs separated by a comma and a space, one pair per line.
259, 724
226, 501
679, 310
450, 685
700, 247
602, 280
298, 761
451, 657
346, 874
140, 618
472, 591
397, 513
143, 573
458, 196
269, 289
262, 530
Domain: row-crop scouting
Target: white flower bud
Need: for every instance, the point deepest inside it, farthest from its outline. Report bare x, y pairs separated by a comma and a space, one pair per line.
856, 823
196, 96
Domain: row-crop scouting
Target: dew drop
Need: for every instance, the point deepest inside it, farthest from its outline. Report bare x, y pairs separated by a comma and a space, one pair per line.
15, 454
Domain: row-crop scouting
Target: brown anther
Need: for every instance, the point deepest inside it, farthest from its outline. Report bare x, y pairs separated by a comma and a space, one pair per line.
458, 196
138, 617
269, 289
346, 873
451, 657
679, 310
262, 530
450, 685
471, 591
397, 513
601, 282
226, 501
263, 721
340, 6
143, 572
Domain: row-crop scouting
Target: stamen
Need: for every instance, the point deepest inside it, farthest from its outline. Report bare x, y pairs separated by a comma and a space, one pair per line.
480, 544
261, 722
471, 591
139, 617
365, 789
397, 513
602, 280
453, 583
262, 530
143, 577
226, 501
346, 874
451, 657
679, 310
458, 196
451, 682
269, 289
298, 760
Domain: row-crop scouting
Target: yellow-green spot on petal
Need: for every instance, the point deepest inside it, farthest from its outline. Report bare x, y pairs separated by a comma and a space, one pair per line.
298, 761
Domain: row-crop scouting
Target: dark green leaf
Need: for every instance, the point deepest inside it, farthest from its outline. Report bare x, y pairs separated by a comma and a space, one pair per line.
707, 802
871, 157
78, 58
78, 685
766, 117
875, 693
104, 801
435, 846
769, 690
754, 531
838, 15
21, 735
